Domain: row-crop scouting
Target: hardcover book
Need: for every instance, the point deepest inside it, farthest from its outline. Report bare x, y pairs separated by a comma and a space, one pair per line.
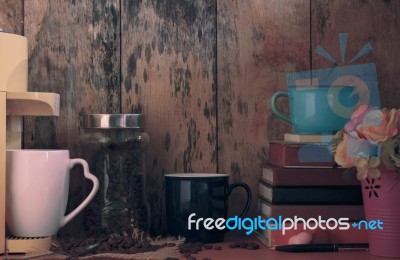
280, 176
310, 195
352, 212
297, 155
307, 138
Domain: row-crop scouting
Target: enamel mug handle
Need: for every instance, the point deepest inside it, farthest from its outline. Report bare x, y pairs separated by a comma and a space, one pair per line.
91, 195
275, 110
248, 192
248, 200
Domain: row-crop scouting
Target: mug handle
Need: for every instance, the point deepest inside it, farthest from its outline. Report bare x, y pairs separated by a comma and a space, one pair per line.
248, 191
91, 195
275, 110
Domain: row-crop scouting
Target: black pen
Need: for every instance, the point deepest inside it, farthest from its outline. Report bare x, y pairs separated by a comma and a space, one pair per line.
322, 247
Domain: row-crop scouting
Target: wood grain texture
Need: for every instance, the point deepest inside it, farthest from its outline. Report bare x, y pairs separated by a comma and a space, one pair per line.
74, 50
169, 75
258, 43
11, 16
365, 21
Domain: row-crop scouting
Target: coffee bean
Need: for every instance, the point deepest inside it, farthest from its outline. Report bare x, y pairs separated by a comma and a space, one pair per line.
184, 250
186, 254
200, 244
208, 246
194, 250
242, 244
115, 244
171, 244
252, 246
217, 247
234, 245
121, 160
67, 244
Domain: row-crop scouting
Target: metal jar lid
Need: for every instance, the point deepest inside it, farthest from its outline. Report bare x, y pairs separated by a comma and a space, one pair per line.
113, 121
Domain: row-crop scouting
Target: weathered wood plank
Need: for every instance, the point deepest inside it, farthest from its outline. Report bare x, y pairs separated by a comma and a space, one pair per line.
169, 75
375, 22
11, 16
258, 43
74, 51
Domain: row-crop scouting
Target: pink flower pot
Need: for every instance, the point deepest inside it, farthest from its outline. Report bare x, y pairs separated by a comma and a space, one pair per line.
381, 202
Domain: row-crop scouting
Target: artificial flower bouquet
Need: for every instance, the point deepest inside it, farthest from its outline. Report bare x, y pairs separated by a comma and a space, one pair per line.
370, 139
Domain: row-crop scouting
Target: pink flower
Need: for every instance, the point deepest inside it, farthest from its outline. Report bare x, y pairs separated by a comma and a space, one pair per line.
341, 156
368, 140
357, 117
379, 125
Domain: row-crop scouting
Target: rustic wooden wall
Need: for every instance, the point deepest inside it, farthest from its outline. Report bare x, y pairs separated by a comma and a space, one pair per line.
74, 50
201, 71
12, 16
168, 64
258, 42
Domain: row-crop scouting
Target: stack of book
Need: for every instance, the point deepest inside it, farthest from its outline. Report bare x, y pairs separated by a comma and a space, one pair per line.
301, 180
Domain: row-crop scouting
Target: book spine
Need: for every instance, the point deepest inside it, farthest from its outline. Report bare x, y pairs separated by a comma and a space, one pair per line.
310, 195
280, 176
352, 212
301, 155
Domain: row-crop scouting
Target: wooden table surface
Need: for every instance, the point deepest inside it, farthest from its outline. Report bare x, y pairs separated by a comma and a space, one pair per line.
269, 254
227, 253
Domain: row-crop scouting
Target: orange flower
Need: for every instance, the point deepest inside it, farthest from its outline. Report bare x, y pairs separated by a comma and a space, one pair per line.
379, 125
341, 156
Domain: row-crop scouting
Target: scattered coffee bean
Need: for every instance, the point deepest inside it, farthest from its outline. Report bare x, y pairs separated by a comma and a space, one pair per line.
234, 245
252, 246
171, 244
208, 246
194, 250
190, 248
113, 244
199, 244
184, 250
242, 244
187, 254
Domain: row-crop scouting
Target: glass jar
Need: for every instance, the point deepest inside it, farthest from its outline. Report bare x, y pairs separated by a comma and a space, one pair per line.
114, 146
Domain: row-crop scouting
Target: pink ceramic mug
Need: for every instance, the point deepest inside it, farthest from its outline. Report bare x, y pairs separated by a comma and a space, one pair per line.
37, 191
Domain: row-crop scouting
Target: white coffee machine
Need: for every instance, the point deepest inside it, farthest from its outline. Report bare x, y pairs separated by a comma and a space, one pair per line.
16, 102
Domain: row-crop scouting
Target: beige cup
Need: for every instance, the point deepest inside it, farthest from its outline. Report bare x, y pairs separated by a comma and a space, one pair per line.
37, 191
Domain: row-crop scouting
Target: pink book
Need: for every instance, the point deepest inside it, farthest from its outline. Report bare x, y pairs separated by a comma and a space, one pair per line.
280, 176
305, 155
